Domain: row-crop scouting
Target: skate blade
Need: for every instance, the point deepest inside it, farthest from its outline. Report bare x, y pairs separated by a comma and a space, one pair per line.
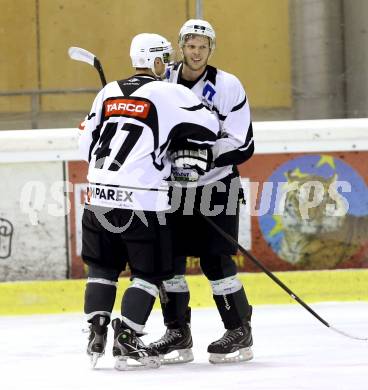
94, 357
123, 363
178, 356
242, 355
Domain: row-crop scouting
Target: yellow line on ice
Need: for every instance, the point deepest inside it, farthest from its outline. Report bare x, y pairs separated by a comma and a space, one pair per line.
62, 296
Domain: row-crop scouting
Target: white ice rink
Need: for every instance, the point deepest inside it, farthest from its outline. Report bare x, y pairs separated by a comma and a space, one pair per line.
292, 351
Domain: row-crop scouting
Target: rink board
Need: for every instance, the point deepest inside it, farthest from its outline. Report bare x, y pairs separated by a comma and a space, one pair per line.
40, 235
41, 297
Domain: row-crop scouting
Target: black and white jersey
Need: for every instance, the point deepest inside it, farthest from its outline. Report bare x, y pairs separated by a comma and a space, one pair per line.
131, 126
224, 95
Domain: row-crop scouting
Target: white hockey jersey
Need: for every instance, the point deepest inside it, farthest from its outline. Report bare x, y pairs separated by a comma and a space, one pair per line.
131, 126
224, 95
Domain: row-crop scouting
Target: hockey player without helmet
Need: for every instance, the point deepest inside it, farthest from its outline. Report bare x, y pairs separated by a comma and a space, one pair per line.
197, 27
145, 48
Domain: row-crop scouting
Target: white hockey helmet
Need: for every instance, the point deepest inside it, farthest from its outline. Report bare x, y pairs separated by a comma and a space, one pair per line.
145, 48
197, 27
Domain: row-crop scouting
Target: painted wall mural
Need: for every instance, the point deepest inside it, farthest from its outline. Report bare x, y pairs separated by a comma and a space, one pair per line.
320, 216
309, 211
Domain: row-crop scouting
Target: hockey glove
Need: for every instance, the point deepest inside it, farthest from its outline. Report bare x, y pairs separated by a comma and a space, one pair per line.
184, 175
200, 160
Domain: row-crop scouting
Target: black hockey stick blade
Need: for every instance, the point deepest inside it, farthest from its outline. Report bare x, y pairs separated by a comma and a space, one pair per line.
83, 55
277, 280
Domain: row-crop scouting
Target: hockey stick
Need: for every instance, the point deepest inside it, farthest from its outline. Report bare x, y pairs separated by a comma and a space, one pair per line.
79, 54
276, 279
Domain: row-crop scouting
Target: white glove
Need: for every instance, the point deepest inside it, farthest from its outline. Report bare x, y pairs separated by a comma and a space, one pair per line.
200, 160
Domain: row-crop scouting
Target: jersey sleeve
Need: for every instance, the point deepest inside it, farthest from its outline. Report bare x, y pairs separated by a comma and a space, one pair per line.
196, 127
91, 125
235, 144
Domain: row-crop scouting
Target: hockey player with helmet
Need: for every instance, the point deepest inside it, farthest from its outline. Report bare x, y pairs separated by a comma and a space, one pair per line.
224, 95
132, 127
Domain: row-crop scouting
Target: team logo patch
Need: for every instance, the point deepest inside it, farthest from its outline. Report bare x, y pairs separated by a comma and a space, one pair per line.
208, 92
127, 107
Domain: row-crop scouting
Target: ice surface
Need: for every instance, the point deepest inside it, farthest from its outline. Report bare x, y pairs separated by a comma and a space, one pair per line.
292, 349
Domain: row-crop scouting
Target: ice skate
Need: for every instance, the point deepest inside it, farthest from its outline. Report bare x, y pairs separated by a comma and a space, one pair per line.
129, 349
97, 338
175, 346
234, 346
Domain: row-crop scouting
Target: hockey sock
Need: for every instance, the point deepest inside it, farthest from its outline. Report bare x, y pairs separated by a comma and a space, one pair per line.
137, 303
231, 302
175, 310
99, 297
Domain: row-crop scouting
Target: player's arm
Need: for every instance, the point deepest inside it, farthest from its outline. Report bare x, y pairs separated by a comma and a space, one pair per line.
191, 146
194, 134
235, 144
